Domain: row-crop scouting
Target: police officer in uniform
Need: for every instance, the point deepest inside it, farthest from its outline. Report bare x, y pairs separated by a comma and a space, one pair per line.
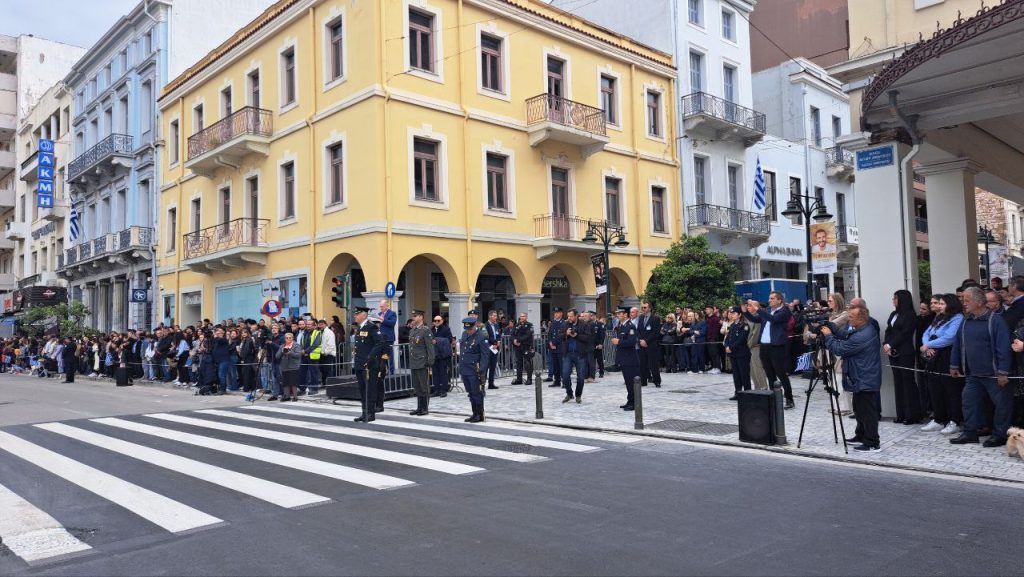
474, 355
421, 359
522, 340
625, 342
366, 354
738, 350
556, 332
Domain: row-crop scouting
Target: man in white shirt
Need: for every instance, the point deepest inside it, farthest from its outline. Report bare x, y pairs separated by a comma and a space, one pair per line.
328, 351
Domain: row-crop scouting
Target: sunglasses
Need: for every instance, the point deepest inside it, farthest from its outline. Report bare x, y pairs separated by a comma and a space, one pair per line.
437, 320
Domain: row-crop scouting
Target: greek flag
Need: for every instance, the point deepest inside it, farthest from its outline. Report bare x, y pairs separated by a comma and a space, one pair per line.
759, 200
74, 228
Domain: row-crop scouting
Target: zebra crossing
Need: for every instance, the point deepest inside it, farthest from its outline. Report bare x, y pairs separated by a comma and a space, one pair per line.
166, 474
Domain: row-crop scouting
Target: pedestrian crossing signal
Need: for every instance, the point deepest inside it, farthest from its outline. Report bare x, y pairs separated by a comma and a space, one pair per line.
340, 291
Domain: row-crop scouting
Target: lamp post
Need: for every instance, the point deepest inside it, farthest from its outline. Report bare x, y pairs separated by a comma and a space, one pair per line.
986, 237
607, 234
812, 207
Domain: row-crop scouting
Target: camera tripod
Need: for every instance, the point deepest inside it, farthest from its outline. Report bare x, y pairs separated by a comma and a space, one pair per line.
825, 373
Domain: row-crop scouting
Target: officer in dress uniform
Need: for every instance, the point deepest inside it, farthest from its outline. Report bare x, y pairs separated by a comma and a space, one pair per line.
556, 332
474, 354
738, 350
522, 340
365, 359
421, 359
625, 342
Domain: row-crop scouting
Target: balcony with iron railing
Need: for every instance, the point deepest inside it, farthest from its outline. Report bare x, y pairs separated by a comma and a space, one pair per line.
231, 244
131, 245
839, 163
729, 223
558, 119
114, 150
555, 232
226, 142
721, 119
30, 168
921, 226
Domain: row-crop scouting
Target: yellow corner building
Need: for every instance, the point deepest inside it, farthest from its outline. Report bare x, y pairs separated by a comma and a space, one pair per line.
458, 148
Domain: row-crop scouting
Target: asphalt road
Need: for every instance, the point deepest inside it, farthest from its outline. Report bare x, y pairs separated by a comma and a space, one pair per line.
607, 508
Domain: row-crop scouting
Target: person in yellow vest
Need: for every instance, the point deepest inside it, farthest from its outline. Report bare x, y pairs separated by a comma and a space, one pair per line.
312, 348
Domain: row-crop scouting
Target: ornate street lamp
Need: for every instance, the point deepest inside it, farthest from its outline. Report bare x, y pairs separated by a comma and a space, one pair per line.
812, 207
608, 235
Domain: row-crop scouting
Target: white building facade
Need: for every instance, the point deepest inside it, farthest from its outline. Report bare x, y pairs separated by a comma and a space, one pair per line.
113, 178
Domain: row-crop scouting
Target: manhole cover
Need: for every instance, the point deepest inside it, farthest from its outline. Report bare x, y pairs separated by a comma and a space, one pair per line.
685, 391
696, 427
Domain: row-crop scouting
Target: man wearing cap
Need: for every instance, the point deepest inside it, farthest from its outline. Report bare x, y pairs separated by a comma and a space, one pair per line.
367, 349
493, 327
421, 358
625, 342
473, 358
736, 346
556, 330
522, 340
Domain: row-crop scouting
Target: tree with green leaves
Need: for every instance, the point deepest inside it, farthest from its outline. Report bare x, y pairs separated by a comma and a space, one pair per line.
68, 318
924, 279
692, 275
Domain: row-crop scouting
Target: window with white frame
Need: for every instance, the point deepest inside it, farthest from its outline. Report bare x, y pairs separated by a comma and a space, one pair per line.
288, 77
426, 168
728, 25
172, 229
771, 209
197, 118
658, 209
613, 200
815, 126
421, 40
491, 62
252, 186
700, 179
336, 157
696, 72
794, 194
695, 12
287, 190
174, 143
654, 127
253, 78
733, 178
197, 214
609, 101
336, 51
497, 182
226, 105
225, 210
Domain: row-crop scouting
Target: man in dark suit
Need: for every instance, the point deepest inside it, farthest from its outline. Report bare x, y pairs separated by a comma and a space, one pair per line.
574, 350
773, 353
624, 341
556, 330
493, 334
388, 321
648, 331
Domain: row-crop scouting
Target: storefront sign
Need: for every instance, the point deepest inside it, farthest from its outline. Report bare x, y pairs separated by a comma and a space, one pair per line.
48, 228
784, 251
553, 282
44, 175
271, 288
192, 299
874, 158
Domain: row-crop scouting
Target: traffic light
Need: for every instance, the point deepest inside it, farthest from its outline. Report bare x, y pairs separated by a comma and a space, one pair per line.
339, 291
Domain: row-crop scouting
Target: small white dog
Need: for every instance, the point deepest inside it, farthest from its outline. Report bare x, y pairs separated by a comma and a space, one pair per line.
1015, 442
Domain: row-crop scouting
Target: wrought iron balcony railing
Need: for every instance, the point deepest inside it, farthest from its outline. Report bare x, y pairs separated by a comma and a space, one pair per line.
921, 225
727, 218
704, 103
561, 227
836, 156
133, 236
238, 233
919, 178
60, 261
549, 108
28, 161
109, 146
247, 120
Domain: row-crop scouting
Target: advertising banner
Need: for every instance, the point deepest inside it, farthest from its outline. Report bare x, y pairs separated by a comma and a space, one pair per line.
824, 257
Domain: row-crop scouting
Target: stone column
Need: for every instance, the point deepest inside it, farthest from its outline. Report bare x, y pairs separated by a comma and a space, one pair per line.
529, 304
458, 307
87, 301
952, 221
888, 254
102, 306
118, 304
584, 302
629, 302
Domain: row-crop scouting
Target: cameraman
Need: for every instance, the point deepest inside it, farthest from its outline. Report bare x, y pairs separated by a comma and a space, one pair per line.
862, 372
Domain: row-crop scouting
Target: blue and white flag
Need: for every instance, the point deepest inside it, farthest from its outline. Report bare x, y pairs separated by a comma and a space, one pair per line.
759, 199
74, 222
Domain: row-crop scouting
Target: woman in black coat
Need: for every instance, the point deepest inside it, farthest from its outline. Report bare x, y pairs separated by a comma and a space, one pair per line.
442, 356
900, 332
70, 359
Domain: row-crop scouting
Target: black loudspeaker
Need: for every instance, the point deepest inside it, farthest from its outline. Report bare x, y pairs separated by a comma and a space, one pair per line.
345, 387
757, 417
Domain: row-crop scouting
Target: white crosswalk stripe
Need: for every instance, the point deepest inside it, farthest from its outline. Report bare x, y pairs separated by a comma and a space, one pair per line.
268, 491
476, 433
334, 471
32, 534
358, 450
157, 509
362, 433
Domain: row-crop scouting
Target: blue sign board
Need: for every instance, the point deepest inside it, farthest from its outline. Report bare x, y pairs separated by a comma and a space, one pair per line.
389, 290
874, 158
44, 200
44, 174
140, 295
45, 187
46, 146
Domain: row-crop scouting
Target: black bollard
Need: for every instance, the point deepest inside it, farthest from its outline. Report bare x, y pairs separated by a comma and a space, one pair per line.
638, 405
538, 391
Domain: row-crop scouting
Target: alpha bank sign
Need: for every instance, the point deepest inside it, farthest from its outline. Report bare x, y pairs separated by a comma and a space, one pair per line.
782, 253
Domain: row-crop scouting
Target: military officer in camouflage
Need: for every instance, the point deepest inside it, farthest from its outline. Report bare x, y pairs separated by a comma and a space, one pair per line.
473, 358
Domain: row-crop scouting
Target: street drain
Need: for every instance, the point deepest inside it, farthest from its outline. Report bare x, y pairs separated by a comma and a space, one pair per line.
695, 427
684, 391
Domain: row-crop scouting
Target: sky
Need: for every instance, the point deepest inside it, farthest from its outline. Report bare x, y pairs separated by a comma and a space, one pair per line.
77, 22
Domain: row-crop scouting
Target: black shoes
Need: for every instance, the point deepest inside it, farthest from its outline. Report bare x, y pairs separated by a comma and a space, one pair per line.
567, 399
362, 419
994, 441
492, 386
734, 398
548, 380
852, 440
516, 382
474, 419
964, 439
657, 385
553, 385
579, 400
790, 404
627, 408
273, 398
866, 447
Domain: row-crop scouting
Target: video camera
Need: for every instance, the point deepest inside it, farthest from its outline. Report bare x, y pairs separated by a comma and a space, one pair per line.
815, 320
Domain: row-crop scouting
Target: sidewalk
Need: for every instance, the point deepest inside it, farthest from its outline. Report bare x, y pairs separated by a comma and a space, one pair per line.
696, 407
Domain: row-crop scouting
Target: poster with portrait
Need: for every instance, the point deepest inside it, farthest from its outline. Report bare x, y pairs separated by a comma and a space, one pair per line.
600, 272
824, 256
999, 263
